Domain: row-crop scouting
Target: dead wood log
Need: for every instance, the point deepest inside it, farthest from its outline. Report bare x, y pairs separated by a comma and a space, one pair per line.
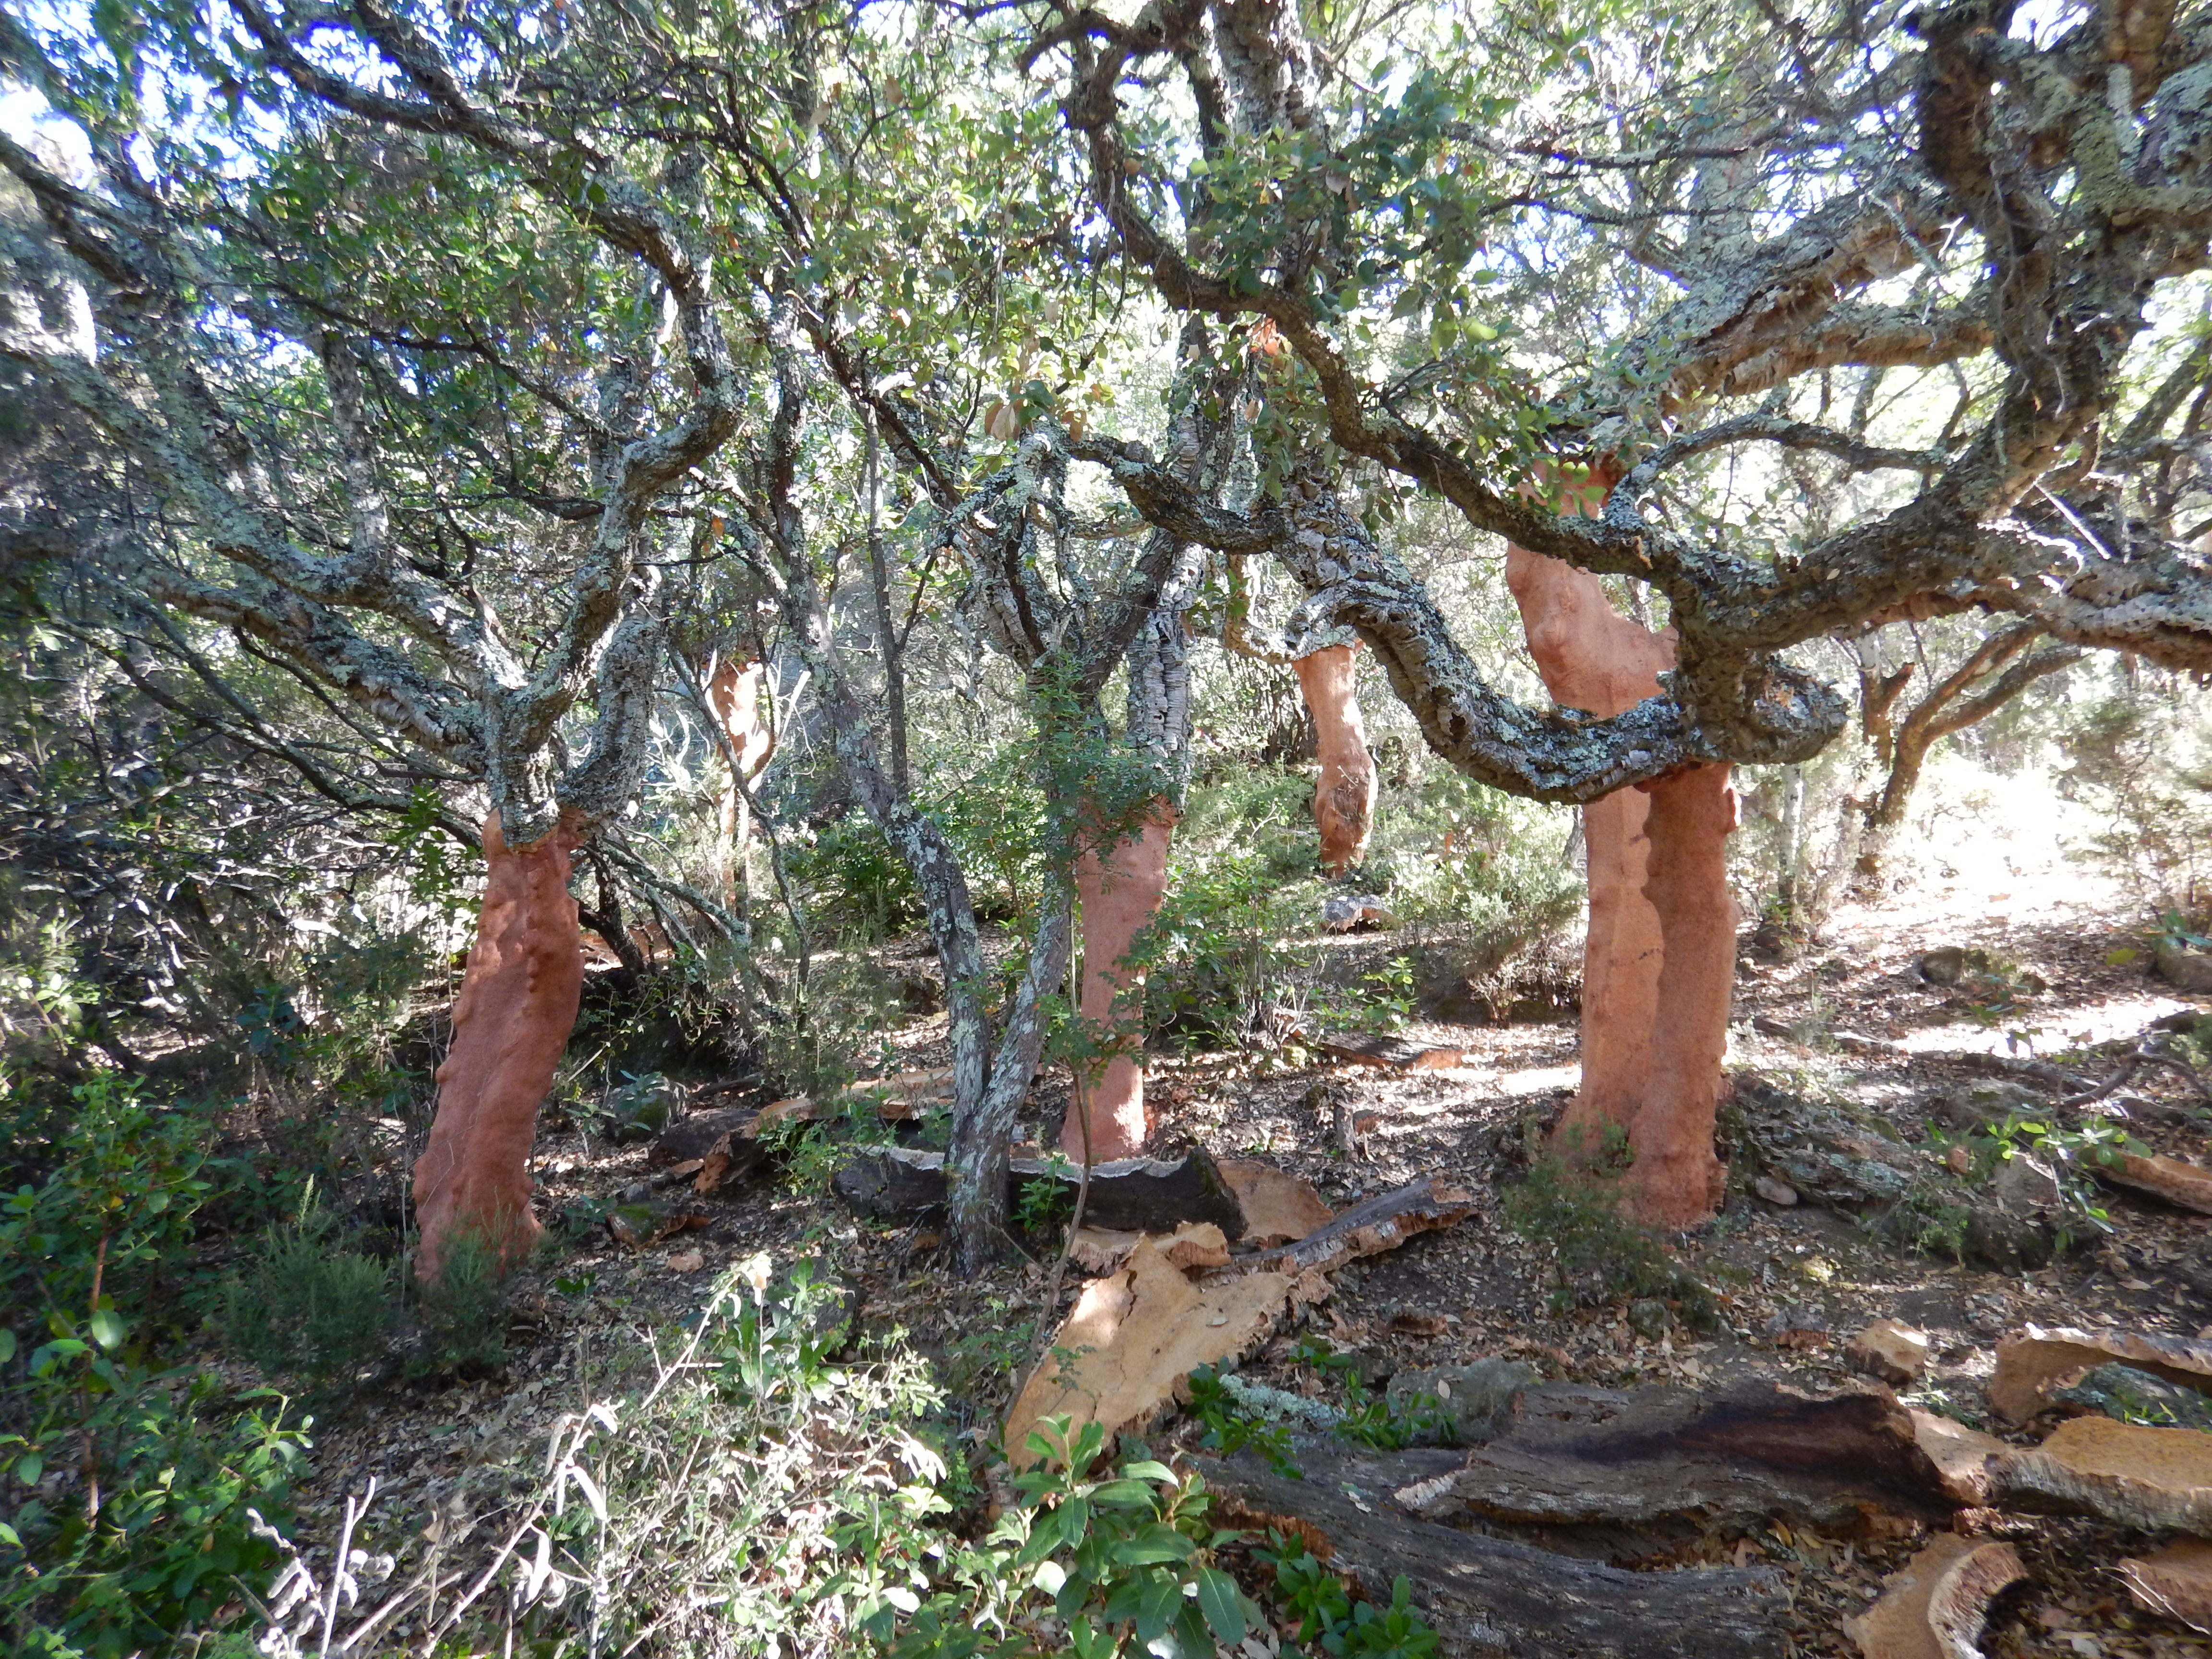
2035, 1364
2153, 1479
1935, 1606
723, 1146
1757, 1451
1393, 1053
1493, 1595
1383, 1222
1134, 1194
2186, 1186
2175, 1583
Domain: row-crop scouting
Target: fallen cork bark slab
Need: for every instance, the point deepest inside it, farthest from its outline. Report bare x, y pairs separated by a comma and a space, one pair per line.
1195, 1244
2042, 1359
1383, 1222
2175, 1582
1494, 1593
1395, 1053
2139, 1477
1960, 1455
1278, 1208
1132, 1194
1756, 1451
1133, 1338
1935, 1605
2185, 1186
1890, 1351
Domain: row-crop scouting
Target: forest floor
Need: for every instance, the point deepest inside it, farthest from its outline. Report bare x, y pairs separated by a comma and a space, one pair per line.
1478, 1289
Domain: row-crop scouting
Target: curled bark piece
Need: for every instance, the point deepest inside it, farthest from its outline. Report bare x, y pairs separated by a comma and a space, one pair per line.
1935, 1606
1383, 1222
1344, 796
2187, 1186
517, 1004
1278, 1208
1394, 1053
1495, 1594
1893, 1352
2138, 1477
1134, 1337
2175, 1582
2039, 1362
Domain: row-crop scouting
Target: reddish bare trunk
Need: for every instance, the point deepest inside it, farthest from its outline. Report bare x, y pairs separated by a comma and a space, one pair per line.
1344, 799
1118, 892
734, 694
512, 1019
1658, 964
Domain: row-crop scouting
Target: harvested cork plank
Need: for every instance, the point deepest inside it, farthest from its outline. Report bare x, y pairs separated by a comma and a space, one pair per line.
1279, 1208
2175, 1583
1392, 1053
1961, 1455
1383, 1222
1935, 1606
1133, 1338
2155, 1479
2042, 1359
2186, 1186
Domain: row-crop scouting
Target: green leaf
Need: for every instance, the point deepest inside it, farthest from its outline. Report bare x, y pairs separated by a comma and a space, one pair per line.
1124, 1492
2121, 957
30, 1467
107, 1328
1149, 1470
7, 1346
1223, 1604
1152, 1546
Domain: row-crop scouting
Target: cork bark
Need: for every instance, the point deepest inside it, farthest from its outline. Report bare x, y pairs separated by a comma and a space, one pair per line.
1119, 887
1344, 796
734, 694
1660, 956
517, 1007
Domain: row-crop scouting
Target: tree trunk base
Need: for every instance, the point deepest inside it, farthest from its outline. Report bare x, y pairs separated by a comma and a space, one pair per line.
1120, 889
511, 1022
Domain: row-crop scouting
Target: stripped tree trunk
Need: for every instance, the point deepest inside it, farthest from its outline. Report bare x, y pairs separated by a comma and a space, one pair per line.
1120, 887
1344, 795
1659, 958
517, 1007
733, 692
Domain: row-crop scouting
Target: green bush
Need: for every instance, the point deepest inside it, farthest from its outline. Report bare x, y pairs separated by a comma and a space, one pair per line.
307, 1306
127, 1494
1597, 1256
463, 1312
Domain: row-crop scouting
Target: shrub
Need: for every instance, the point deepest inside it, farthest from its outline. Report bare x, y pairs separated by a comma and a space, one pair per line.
1596, 1255
307, 1306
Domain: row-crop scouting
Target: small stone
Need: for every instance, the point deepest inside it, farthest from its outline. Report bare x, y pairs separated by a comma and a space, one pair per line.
1794, 1328
1980, 1104
2026, 1186
2127, 1395
1943, 966
1650, 1319
1892, 1352
1469, 1403
2184, 969
1775, 1192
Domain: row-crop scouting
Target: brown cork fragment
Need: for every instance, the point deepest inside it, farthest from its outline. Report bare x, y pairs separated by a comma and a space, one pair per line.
1961, 1455
2155, 1479
2042, 1359
2184, 1185
1344, 796
1279, 1207
1935, 1606
2175, 1583
1133, 1338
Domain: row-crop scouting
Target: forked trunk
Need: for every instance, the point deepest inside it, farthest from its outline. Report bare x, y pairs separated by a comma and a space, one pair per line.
1659, 960
1344, 799
512, 1021
1120, 889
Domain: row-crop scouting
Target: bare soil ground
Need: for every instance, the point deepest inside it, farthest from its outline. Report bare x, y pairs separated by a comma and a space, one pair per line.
1478, 1289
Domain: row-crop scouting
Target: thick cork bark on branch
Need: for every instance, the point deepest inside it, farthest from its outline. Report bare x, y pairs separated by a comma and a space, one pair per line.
1658, 963
1344, 798
1119, 888
512, 1021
